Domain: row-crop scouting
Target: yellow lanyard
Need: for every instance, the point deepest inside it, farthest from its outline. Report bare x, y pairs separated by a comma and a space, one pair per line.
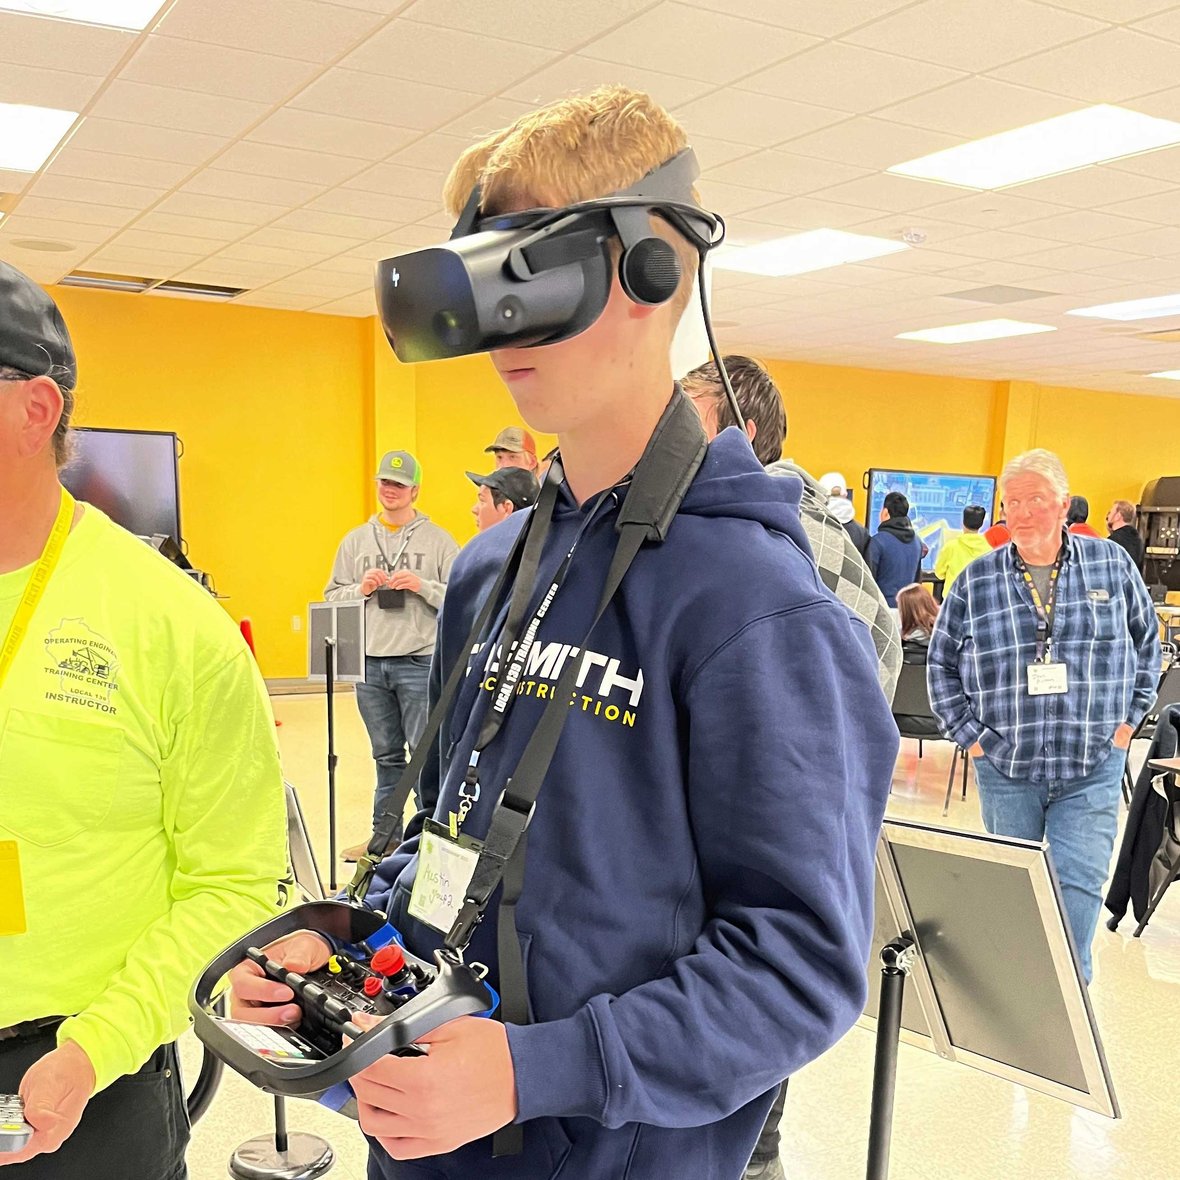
38, 580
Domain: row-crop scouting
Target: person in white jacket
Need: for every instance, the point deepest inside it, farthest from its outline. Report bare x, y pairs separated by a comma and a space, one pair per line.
398, 561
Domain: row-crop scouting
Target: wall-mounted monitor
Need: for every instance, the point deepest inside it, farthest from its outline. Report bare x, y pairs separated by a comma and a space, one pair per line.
131, 475
937, 500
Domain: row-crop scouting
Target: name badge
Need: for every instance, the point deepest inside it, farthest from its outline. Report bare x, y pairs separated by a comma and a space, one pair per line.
1045, 680
445, 869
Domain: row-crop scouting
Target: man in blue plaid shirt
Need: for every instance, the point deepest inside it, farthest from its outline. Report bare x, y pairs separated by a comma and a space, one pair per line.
1045, 658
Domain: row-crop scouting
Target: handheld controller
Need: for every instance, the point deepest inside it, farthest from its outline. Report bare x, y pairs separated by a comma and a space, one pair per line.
14, 1131
369, 972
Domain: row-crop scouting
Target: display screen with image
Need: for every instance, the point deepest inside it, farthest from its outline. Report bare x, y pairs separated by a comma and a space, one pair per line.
131, 475
937, 500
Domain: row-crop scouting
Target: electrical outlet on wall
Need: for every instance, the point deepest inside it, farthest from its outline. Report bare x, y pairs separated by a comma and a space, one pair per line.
296, 622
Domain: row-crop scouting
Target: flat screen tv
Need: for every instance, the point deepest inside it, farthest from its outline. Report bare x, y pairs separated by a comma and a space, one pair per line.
131, 475
937, 500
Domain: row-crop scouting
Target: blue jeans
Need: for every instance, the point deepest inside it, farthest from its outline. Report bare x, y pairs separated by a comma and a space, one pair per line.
1080, 819
392, 702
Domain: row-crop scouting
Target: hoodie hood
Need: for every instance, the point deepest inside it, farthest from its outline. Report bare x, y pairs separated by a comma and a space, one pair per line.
900, 527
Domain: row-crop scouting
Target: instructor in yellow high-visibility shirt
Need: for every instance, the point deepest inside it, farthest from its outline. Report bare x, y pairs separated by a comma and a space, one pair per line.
141, 806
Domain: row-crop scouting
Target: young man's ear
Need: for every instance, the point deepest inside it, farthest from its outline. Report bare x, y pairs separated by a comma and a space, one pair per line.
751, 429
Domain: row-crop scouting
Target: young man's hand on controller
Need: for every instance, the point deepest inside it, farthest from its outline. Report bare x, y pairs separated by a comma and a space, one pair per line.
260, 1000
461, 1089
55, 1090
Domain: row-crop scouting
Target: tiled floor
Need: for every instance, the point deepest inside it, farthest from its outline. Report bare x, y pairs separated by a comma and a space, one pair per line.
951, 1123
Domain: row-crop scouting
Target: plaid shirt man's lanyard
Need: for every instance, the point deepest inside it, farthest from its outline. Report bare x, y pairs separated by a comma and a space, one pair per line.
1044, 677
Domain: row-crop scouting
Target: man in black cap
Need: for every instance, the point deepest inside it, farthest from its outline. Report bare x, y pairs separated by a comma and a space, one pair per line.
141, 803
501, 493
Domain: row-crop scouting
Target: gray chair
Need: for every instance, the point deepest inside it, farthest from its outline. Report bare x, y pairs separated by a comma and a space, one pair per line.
911, 699
1165, 868
1168, 693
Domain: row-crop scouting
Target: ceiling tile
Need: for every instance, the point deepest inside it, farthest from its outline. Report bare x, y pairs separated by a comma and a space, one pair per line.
308, 282
46, 88
227, 272
407, 237
491, 116
40, 266
1163, 241
998, 244
995, 210
331, 134
178, 110
758, 120
784, 173
156, 264
800, 213
977, 107
352, 305
217, 232
281, 257
730, 199
1150, 270
269, 190
873, 143
359, 229
884, 191
219, 207
56, 230
147, 239
315, 244
352, 94
407, 50
68, 46
828, 19
399, 181
14, 182
713, 153
432, 153
1093, 188
1163, 165
300, 29
264, 298
1077, 257
534, 22
72, 161
1083, 225
354, 203
974, 37
215, 69
71, 188
576, 73
145, 143
264, 159
672, 35
848, 78
84, 211
1110, 67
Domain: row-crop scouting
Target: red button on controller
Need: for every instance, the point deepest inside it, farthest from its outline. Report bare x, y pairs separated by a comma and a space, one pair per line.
389, 960
372, 986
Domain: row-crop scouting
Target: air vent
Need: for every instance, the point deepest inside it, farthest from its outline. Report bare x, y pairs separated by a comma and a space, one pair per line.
105, 282
997, 294
197, 291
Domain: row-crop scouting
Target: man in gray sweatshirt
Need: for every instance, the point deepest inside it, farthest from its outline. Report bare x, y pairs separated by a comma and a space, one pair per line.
398, 562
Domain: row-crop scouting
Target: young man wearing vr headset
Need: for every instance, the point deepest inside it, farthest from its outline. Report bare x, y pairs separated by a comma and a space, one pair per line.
694, 912
141, 803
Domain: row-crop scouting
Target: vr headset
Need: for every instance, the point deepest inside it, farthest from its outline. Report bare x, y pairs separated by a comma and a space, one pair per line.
542, 275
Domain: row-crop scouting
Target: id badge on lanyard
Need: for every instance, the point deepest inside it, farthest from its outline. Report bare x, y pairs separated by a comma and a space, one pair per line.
446, 864
1045, 678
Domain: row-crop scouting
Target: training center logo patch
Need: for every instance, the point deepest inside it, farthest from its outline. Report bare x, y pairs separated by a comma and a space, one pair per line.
83, 665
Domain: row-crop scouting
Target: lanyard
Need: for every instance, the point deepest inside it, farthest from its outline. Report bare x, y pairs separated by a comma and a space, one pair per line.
408, 530
1044, 609
514, 652
38, 580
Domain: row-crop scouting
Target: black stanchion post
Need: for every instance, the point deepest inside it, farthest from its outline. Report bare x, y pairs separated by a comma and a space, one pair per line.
897, 960
281, 1144
330, 670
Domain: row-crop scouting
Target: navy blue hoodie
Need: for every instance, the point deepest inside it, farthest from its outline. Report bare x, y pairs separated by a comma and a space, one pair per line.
895, 556
697, 908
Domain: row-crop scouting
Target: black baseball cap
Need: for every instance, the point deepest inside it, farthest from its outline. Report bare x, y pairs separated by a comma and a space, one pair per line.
33, 336
514, 483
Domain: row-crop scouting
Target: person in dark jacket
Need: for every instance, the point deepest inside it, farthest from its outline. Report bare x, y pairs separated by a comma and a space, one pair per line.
895, 552
1120, 520
918, 612
1078, 517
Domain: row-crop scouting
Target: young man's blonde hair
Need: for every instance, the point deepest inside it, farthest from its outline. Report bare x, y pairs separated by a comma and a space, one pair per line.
575, 149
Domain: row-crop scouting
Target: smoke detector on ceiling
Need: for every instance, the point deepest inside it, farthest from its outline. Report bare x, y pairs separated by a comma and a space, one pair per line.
913, 236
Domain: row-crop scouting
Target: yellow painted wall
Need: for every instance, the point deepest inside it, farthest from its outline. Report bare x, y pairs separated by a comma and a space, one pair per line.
462, 405
284, 414
270, 406
848, 420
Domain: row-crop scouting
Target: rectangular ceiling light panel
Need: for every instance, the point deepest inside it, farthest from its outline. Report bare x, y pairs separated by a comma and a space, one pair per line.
1133, 309
800, 254
1094, 135
981, 330
115, 14
28, 135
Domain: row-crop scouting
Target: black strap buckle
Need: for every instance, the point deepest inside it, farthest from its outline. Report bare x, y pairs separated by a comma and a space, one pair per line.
468, 918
